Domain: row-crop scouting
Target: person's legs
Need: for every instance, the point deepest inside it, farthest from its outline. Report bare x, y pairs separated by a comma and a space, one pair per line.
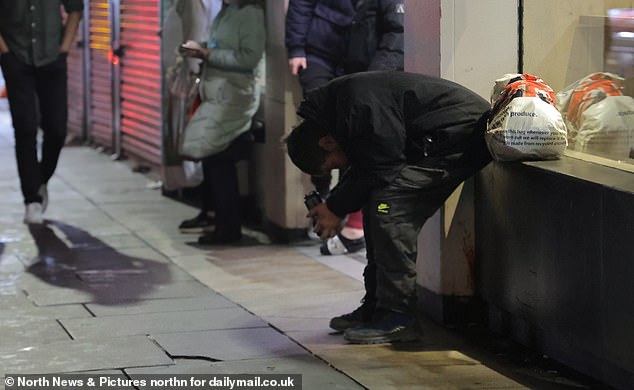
394, 217
226, 196
364, 312
204, 220
222, 173
51, 86
20, 83
206, 191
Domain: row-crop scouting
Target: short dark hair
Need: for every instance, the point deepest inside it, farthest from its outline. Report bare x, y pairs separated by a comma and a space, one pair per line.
303, 147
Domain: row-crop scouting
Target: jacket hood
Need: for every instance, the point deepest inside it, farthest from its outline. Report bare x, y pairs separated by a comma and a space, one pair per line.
315, 107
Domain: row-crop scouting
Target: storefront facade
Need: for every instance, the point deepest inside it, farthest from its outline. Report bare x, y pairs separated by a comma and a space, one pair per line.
542, 244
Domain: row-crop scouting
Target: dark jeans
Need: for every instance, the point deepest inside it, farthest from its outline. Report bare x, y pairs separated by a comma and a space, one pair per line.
30, 87
391, 231
220, 185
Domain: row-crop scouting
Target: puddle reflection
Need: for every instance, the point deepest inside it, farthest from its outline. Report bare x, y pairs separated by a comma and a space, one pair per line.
81, 261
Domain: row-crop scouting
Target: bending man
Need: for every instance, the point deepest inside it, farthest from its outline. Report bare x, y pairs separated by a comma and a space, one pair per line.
406, 142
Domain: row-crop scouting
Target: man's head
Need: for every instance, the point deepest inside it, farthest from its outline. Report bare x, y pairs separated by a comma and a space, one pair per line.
313, 150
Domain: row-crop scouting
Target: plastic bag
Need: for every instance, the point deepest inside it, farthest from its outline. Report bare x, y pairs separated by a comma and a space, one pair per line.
524, 124
599, 117
193, 173
182, 88
188, 174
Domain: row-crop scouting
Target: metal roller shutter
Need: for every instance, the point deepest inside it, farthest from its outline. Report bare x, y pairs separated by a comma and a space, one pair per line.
76, 88
141, 80
100, 74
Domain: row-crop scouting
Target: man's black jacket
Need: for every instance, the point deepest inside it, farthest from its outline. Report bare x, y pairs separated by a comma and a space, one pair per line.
385, 120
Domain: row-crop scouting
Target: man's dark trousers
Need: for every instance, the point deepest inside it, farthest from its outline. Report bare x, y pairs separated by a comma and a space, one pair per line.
30, 87
392, 220
221, 191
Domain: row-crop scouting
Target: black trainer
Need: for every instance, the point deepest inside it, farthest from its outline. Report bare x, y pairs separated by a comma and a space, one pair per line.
217, 238
359, 316
386, 326
199, 224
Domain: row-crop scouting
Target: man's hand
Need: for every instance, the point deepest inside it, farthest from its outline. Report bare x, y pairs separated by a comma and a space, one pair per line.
327, 224
70, 29
295, 63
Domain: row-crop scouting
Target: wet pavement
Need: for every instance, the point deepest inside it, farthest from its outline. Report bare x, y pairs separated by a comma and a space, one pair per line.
108, 284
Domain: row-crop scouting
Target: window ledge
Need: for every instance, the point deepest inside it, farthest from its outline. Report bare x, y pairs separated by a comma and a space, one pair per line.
617, 176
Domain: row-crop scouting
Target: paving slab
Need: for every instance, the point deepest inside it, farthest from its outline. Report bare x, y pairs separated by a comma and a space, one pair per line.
232, 344
316, 375
19, 308
25, 333
165, 210
121, 191
72, 356
173, 243
207, 302
157, 323
113, 294
178, 366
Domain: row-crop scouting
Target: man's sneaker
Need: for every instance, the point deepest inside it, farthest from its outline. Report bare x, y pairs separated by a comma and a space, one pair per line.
199, 224
339, 245
218, 238
43, 192
358, 317
386, 327
33, 214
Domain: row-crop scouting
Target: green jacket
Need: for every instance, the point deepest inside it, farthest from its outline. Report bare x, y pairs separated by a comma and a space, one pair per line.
33, 29
229, 88
237, 37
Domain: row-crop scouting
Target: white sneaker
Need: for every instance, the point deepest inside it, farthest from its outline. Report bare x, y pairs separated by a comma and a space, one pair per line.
312, 235
33, 213
43, 192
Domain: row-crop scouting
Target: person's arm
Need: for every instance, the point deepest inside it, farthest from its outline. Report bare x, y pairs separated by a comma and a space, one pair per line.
196, 19
3, 45
252, 42
298, 17
376, 153
377, 156
72, 23
389, 53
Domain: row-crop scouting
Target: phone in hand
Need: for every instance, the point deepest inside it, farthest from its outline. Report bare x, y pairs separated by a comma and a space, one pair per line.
184, 48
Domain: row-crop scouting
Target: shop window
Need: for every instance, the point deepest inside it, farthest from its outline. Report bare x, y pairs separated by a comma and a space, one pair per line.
599, 106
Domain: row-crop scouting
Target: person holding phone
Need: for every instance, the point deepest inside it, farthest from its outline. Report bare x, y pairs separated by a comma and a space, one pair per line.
230, 96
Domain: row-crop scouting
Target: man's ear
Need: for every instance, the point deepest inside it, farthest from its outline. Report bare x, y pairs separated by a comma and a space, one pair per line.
328, 143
